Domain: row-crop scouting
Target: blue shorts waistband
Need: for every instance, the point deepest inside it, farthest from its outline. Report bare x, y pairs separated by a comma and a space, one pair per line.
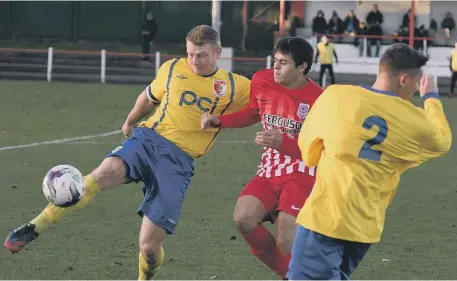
164, 140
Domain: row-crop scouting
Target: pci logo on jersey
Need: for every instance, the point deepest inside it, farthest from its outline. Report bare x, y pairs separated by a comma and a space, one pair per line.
219, 87
303, 110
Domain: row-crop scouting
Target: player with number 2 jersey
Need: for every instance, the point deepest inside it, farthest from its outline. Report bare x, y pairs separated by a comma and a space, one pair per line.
362, 139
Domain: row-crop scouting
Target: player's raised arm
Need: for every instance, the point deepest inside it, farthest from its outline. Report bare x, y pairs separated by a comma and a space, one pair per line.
439, 140
247, 116
146, 101
243, 118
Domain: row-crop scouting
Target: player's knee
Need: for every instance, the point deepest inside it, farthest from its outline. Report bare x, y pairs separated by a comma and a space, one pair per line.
248, 214
111, 172
151, 240
150, 251
245, 222
150, 247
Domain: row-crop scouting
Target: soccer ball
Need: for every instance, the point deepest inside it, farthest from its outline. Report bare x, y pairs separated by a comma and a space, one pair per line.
63, 186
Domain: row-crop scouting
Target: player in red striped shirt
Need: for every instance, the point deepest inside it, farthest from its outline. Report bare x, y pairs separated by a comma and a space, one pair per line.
280, 98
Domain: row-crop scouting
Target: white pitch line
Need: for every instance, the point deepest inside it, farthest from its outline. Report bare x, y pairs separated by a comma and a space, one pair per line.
59, 141
94, 142
106, 142
235, 141
83, 140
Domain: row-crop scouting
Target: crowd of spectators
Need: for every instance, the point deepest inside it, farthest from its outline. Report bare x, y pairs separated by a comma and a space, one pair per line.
352, 26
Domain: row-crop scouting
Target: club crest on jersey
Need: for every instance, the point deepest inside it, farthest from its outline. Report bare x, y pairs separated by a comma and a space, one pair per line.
303, 110
220, 87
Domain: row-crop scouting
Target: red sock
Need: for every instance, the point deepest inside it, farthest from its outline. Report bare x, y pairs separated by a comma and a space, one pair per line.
263, 245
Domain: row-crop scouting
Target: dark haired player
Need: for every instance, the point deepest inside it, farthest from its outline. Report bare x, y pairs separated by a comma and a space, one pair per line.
280, 98
362, 139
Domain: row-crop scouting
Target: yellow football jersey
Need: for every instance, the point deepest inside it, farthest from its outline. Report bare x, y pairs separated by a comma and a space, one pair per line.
326, 52
454, 60
184, 97
361, 141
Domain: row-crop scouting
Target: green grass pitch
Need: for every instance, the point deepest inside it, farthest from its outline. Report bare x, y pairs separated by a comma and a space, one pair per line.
101, 241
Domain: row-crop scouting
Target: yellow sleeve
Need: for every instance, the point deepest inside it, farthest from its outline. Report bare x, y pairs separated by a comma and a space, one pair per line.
438, 140
242, 94
310, 139
156, 90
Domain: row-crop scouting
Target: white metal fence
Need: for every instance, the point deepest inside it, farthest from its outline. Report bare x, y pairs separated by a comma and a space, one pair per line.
359, 65
103, 60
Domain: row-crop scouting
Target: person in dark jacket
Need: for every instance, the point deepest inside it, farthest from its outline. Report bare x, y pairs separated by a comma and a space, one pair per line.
148, 31
350, 25
351, 22
448, 24
319, 24
406, 17
335, 25
374, 21
433, 25
453, 68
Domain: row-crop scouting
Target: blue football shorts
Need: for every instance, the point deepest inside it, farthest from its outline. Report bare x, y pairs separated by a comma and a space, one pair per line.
319, 257
165, 170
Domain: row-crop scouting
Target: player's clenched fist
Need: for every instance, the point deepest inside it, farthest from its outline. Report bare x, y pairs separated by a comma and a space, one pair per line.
427, 85
210, 121
270, 138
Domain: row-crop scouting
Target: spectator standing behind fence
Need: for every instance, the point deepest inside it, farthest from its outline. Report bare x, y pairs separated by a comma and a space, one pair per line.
433, 26
148, 31
374, 21
335, 25
453, 67
448, 24
406, 17
319, 24
403, 31
326, 51
361, 30
350, 24
432, 30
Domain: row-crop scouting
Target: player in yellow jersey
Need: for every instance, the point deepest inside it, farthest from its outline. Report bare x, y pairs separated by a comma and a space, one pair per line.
362, 139
161, 150
326, 52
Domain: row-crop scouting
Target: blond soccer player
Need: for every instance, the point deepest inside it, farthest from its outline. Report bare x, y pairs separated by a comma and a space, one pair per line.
160, 152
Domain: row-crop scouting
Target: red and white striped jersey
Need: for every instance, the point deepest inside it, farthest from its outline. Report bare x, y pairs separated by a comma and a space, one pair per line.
280, 108
284, 110
275, 164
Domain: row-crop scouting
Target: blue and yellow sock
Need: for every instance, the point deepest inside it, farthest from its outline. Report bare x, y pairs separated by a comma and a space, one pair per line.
52, 213
148, 270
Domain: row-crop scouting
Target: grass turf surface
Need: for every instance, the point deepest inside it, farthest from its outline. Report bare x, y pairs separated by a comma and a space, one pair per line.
101, 241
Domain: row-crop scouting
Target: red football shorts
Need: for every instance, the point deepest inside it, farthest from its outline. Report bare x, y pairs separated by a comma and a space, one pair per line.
286, 193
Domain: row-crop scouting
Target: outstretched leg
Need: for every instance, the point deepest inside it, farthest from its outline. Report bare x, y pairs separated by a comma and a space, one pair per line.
110, 173
161, 207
